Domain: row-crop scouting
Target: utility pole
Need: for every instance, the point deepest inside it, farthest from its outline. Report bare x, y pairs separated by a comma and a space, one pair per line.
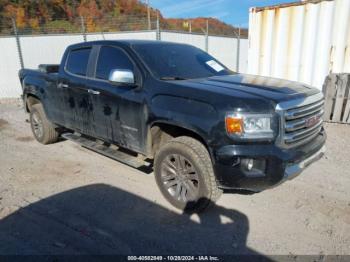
190, 26
148, 15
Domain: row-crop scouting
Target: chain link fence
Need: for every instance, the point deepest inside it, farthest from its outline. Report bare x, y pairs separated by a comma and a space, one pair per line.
79, 25
110, 23
103, 24
27, 46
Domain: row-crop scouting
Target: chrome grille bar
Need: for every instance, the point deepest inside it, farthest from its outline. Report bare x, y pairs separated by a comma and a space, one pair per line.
294, 136
306, 110
301, 120
301, 123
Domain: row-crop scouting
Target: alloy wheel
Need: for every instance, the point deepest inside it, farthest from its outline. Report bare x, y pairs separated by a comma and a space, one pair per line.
37, 125
180, 178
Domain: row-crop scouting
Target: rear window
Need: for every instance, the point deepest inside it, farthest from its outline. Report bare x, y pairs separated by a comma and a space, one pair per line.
77, 61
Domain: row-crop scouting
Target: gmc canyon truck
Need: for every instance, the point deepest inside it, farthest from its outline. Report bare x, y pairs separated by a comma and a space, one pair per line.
175, 109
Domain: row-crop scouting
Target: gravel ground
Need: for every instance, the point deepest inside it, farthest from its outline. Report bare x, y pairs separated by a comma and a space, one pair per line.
64, 199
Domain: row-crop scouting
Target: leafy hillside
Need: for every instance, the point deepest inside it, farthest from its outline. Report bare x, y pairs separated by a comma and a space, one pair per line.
59, 16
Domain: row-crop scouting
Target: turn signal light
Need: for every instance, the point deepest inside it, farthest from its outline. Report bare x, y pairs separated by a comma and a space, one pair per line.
234, 125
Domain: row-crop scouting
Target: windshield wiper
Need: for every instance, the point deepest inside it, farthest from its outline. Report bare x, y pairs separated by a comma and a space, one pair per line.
172, 78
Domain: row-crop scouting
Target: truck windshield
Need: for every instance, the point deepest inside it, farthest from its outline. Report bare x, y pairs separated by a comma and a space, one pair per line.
178, 61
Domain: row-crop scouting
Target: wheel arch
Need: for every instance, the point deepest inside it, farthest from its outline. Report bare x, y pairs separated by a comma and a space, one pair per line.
162, 131
30, 100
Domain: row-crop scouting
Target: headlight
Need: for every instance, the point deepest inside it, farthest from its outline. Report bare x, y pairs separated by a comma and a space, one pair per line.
250, 126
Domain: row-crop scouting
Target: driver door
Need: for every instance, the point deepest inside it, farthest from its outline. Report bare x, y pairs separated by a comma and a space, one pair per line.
117, 108
78, 112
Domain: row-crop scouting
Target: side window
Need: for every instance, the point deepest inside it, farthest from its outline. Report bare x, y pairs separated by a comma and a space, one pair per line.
78, 61
111, 58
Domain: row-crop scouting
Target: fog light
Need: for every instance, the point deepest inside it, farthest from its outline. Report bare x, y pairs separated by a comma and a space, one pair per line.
248, 163
253, 167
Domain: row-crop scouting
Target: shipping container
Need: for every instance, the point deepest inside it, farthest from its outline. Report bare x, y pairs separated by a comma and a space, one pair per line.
301, 41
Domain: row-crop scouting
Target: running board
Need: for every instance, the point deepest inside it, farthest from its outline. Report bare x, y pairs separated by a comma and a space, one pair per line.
107, 150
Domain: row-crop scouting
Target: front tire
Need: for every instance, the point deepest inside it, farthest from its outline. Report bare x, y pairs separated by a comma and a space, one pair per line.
184, 174
43, 130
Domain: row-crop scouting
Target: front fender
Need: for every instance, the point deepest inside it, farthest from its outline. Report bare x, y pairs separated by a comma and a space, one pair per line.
194, 115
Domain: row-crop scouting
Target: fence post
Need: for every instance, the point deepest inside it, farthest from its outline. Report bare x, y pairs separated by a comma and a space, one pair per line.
207, 38
158, 29
238, 48
83, 29
18, 42
148, 15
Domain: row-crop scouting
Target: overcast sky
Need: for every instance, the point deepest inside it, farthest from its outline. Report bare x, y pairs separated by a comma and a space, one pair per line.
234, 12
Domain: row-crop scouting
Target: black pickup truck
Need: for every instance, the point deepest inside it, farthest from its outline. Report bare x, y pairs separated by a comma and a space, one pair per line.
176, 110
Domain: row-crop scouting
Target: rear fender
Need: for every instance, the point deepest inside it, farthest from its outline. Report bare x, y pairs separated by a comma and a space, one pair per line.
33, 87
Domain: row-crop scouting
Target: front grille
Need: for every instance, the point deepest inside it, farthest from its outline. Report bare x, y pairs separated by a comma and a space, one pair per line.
301, 121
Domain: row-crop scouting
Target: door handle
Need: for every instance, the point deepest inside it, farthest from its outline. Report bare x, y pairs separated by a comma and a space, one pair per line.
94, 92
62, 85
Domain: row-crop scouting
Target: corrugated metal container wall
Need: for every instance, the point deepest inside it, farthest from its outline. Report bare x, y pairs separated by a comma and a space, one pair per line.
302, 41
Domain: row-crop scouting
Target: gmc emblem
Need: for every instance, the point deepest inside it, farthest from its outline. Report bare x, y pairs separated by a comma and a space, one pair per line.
312, 121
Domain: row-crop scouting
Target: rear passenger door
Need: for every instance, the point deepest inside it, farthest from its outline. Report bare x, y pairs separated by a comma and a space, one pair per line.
79, 108
118, 108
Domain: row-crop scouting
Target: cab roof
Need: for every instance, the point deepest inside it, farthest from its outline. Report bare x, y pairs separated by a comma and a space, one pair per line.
127, 42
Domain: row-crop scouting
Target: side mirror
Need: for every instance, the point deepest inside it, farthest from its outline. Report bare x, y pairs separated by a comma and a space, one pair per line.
122, 76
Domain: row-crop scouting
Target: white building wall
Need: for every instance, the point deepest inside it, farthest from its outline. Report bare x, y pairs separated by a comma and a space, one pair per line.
44, 49
123, 35
9, 66
48, 49
191, 39
243, 56
222, 48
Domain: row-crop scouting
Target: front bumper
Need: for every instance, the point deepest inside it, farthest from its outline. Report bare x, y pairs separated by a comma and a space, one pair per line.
281, 164
294, 170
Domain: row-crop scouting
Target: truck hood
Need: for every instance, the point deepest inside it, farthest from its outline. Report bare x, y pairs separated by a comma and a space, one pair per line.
266, 87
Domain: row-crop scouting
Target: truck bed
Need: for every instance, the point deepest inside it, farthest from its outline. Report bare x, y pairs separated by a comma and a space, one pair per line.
48, 72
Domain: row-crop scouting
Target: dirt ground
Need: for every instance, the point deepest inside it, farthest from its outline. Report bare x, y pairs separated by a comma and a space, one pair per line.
64, 199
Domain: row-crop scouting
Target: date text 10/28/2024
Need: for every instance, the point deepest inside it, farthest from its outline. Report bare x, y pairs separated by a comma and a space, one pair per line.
173, 258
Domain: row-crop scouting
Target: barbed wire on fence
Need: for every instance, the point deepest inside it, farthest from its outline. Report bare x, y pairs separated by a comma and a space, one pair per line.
90, 25
107, 23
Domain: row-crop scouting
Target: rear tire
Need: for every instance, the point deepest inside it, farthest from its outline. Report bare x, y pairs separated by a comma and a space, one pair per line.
43, 130
184, 174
